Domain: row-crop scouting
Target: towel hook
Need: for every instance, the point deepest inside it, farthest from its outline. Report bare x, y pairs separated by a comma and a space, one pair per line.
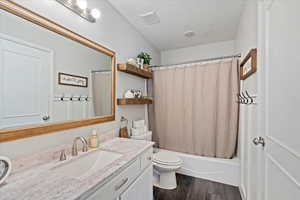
246, 98
251, 98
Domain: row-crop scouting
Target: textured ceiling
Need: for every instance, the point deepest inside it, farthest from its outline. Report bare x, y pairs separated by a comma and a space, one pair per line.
211, 20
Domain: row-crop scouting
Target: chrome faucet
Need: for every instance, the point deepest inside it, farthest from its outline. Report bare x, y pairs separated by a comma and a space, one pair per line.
75, 147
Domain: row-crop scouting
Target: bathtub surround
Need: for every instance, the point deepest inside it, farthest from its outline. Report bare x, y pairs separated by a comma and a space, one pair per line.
213, 169
195, 109
190, 188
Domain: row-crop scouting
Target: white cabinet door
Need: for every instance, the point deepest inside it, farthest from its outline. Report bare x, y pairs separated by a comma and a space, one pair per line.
25, 82
142, 188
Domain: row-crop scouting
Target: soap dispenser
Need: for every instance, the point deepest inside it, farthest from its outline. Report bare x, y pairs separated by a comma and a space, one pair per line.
94, 139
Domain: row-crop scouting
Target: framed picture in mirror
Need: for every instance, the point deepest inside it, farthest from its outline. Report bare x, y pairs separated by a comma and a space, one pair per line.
72, 80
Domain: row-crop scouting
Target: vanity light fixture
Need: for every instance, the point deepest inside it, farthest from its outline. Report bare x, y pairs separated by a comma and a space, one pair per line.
82, 4
96, 13
80, 7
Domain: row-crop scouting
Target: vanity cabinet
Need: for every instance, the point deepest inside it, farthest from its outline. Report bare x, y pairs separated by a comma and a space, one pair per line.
129, 184
141, 188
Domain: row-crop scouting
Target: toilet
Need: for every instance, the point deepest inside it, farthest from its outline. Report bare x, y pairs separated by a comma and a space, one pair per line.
165, 166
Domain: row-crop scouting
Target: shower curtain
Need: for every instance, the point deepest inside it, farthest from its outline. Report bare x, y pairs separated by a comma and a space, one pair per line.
101, 90
195, 109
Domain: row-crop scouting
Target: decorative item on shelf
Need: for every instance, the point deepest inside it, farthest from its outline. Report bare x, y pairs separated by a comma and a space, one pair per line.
5, 168
140, 62
147, 59
133, 62
138, 94
249, 65
132, 93
129, 94
123, 130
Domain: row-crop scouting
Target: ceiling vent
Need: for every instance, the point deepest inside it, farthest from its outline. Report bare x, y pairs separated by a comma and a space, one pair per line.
189, 34
150, 18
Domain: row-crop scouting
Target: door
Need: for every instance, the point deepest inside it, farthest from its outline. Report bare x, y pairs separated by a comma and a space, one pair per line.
25, 83
142, 188
279, 105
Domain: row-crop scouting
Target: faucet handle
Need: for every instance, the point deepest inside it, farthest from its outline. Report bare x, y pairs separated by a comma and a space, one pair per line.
63, 155
85, 145
74, 149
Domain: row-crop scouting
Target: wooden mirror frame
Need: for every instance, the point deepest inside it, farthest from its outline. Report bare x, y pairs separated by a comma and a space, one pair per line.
9, 134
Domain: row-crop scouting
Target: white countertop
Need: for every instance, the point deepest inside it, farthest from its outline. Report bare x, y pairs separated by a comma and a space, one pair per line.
33, 179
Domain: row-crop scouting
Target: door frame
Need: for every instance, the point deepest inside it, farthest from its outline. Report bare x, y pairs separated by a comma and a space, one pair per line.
262, 95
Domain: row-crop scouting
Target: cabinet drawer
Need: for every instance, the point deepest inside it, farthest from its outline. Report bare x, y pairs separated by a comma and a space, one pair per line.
146, 158
117, 185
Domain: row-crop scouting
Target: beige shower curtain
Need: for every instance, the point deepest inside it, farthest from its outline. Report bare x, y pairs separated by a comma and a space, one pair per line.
195, 109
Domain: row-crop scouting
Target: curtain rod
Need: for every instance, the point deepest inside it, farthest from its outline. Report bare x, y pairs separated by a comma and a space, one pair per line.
198, 61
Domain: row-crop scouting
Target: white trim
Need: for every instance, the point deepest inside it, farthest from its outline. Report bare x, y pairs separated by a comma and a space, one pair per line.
260, 187
265, 82
294, 153
23, 42
281, 168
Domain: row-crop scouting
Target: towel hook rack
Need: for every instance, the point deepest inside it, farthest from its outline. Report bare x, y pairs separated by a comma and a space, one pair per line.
246, 98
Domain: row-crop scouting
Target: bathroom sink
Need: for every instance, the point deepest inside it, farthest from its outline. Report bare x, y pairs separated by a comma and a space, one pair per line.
88, 163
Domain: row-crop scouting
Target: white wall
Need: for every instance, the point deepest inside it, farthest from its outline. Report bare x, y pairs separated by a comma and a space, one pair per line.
246, 39
198, 52
111, 31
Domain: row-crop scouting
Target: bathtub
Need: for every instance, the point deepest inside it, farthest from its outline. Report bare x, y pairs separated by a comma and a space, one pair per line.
225, 171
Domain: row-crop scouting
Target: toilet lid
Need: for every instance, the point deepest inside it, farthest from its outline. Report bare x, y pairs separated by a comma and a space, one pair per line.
166, 158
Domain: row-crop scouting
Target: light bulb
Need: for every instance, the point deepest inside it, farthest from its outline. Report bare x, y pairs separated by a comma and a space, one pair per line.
96, 13
82, 4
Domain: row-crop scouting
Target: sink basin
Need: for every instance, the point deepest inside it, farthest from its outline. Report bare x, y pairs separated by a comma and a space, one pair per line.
87, 163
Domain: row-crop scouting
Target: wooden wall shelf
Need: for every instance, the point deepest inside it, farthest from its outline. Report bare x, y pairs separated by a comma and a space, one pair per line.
133, 101
130, 69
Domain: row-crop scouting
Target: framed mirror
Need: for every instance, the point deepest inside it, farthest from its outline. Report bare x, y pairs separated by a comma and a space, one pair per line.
52, 79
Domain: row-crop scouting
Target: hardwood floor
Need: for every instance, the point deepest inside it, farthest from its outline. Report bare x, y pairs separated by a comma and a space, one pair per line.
190, 188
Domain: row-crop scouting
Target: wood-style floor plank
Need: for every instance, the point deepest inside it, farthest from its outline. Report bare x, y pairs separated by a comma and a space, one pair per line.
190, 188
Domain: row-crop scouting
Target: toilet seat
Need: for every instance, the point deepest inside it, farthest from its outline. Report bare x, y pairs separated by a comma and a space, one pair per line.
166, 159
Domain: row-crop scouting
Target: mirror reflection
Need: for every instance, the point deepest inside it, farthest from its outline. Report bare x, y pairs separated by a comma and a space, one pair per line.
46, 77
